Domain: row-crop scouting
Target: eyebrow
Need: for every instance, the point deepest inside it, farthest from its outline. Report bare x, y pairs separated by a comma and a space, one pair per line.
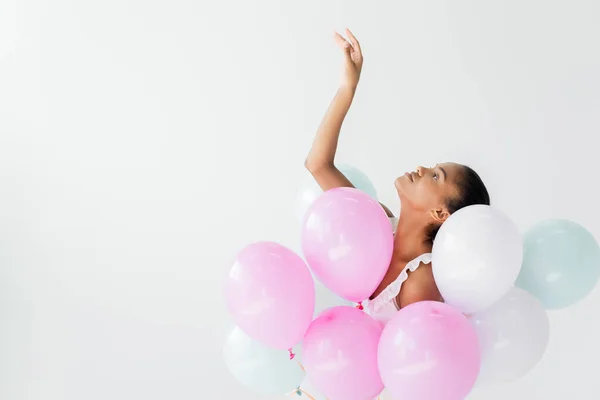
443, 172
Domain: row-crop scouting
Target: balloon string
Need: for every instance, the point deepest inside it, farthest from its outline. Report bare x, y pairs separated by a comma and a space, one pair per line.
306, 394
360, 306
292, 355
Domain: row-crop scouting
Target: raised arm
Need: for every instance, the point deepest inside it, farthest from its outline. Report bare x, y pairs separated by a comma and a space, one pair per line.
320, 160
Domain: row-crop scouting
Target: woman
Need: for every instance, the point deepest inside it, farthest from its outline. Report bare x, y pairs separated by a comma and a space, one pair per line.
428, 197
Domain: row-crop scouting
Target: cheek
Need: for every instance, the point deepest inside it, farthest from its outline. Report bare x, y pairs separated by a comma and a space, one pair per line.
425, 194
419, 192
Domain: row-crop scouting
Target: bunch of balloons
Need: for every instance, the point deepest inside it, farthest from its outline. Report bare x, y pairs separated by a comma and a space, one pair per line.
492, 327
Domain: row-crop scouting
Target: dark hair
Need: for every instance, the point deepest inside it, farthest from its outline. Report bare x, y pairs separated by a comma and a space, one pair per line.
472, 191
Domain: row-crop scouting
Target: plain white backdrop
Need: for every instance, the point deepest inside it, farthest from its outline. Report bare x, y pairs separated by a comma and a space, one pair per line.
142, 143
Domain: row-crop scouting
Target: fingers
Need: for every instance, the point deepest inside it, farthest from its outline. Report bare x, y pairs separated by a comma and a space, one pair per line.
345, 46
341, 41
350, 47
354, 41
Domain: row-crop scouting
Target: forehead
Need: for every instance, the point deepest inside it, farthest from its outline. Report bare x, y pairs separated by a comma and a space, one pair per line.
453, 172
451, 169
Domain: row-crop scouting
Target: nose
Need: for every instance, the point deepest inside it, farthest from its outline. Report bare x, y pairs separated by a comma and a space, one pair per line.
421, 170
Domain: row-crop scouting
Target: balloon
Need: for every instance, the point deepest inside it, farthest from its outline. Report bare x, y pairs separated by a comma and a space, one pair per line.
476, 257
347, 241
513, 334
340, 354
271, 294
359, 179
561, 263
310, 190
259, 367
325, 299
429, 351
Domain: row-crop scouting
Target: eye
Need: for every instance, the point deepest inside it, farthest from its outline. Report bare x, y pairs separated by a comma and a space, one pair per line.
435, 176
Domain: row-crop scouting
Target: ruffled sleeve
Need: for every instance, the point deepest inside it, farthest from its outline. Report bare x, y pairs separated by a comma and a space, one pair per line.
389, 294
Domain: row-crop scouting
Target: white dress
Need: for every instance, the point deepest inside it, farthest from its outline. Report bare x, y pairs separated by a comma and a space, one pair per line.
382, 308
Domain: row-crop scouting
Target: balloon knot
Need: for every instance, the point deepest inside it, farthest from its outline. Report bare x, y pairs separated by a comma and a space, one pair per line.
360, 306
292, 355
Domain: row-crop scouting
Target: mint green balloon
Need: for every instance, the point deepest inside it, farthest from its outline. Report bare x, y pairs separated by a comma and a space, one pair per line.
309, 191
359, 179
561, 263
261, 368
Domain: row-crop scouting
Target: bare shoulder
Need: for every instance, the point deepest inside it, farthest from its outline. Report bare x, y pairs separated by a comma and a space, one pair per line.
420, 286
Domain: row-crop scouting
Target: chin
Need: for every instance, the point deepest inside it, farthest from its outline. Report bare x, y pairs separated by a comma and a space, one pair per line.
399, 184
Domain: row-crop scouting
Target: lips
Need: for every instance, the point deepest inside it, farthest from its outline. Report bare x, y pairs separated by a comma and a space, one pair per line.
409, 176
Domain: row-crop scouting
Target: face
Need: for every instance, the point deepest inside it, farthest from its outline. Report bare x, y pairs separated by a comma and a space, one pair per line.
427, 189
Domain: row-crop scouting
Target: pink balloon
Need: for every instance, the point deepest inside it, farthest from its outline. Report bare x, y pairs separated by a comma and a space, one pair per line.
429, 351
347, 240
340, 354
271, 294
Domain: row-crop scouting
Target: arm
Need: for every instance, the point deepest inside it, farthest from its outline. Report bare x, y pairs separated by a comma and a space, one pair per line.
320, 160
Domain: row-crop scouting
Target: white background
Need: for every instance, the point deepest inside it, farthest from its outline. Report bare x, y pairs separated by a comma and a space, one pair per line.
142, 143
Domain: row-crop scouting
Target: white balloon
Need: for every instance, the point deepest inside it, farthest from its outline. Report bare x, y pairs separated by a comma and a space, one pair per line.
513, 335
309, 190
476, 257
261, 368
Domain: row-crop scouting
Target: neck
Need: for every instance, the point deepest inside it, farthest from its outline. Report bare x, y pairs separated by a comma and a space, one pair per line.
411, 235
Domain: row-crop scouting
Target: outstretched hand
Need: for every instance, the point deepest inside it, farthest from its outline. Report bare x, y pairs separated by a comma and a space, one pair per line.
353, 59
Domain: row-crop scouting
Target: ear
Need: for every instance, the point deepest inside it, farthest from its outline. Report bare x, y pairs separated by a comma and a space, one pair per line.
440, 215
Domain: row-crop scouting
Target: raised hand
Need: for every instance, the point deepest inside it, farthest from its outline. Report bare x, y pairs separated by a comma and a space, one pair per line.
353, 59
